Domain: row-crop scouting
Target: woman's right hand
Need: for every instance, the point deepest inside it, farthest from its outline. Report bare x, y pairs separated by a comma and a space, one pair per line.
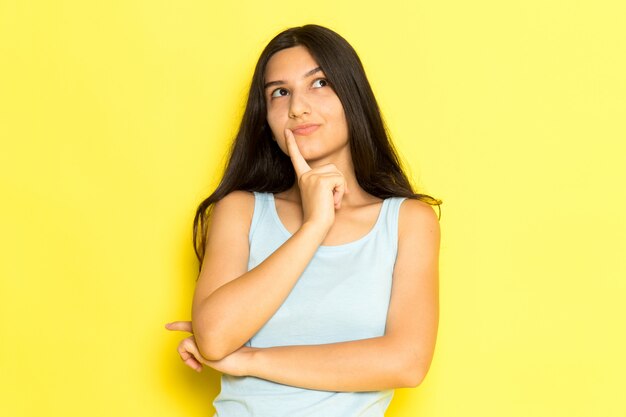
321, 188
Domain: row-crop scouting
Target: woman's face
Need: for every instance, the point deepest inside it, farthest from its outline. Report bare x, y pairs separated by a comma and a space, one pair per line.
299, 98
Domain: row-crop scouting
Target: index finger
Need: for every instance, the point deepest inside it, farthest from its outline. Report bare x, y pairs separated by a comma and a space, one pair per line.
183, 326
298, 161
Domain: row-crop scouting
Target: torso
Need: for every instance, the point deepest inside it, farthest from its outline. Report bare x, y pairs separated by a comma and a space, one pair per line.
342, 295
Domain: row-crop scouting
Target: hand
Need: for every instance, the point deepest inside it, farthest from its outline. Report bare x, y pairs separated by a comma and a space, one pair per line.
321, 188
187, 348
234, 364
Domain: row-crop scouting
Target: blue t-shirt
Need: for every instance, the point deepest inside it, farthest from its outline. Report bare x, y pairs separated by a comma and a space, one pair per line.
343, 294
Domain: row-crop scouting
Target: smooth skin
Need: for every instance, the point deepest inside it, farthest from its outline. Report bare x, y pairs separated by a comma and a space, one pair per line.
325, 206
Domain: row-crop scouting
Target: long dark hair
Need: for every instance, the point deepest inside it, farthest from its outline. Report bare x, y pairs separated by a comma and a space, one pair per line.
256, 162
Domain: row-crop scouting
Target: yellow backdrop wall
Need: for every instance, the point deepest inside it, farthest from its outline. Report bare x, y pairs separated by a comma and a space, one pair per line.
114, 120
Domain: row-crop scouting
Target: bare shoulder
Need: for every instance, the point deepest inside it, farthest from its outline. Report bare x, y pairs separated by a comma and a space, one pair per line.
232, 215
226, 253
236, 204
418, 245
237, 199
418, 230
229, 227
417, 216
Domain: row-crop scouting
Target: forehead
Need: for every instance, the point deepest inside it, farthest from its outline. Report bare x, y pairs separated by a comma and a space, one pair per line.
289, 63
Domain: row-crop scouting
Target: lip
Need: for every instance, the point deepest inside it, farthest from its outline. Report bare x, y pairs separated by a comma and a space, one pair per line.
304, 130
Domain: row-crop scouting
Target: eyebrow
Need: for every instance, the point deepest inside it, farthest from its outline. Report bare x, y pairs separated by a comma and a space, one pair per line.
281, 82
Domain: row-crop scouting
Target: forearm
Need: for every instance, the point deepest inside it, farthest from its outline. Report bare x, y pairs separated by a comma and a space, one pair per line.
363, 365
233, 313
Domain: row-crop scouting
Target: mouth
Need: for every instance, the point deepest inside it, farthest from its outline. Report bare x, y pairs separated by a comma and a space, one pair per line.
304, 130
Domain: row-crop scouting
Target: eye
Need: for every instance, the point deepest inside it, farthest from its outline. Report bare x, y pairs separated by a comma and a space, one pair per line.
320, 82
279, 92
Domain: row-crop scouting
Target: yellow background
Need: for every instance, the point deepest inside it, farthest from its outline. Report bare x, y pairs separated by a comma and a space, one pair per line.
114, 120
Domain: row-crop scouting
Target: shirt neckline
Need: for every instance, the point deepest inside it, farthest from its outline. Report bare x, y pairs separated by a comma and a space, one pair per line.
327, 248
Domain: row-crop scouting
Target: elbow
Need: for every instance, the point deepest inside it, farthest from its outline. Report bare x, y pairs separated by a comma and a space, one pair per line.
212, 343
412, 373
411, 379
211, 338
210, 348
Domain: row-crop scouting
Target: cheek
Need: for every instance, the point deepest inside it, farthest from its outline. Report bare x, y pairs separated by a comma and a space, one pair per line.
338, 115
330, 106
277, 121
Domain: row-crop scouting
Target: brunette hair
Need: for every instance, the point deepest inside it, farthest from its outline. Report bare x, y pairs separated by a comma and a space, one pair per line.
256, 163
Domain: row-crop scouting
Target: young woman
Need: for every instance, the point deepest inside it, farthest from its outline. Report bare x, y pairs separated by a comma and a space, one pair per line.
318, 288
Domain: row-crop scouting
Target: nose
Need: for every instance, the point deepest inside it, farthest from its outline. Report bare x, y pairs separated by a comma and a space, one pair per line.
298, 106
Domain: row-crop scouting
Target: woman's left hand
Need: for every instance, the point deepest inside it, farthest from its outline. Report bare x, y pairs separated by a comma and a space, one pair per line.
234, 364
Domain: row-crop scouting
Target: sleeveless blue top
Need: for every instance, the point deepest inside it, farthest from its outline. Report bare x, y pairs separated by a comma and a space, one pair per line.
343, 294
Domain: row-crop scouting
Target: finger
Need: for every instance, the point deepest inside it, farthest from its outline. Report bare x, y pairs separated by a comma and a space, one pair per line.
338, 193
298, 161
339, 186
183, 326
192, 362
189, 353
331, 169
